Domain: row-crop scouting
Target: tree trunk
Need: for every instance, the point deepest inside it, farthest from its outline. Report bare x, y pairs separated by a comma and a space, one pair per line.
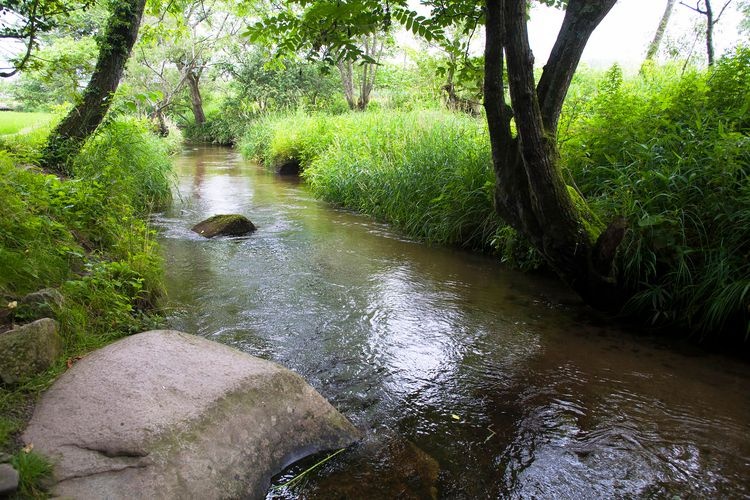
530, 192
653, 47
114, 49
709, 33
347, 80
196, 101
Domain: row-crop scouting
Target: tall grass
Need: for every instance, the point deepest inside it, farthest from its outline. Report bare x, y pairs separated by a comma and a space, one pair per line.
669, 151
88, 237
426, 172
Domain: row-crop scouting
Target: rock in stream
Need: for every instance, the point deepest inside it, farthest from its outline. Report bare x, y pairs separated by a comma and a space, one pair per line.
164, 414
224, 225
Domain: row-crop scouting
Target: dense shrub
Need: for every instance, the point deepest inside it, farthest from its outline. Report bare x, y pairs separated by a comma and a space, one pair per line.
87, 236
671, 152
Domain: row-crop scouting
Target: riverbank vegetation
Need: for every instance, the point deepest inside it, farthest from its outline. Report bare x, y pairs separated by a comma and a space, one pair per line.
86, 237
667, 150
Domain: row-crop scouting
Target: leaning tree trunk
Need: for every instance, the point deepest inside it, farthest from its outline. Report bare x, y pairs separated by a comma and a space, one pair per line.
196, 101
530, 193
114, 49
653, 47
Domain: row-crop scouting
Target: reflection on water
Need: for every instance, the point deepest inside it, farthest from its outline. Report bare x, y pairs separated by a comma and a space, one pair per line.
470, 381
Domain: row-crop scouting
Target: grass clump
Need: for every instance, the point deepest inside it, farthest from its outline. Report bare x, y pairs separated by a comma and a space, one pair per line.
427, 172
33, 470
671, 152
88, 237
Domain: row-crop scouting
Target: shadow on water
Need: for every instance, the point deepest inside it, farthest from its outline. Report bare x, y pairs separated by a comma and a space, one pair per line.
470, 381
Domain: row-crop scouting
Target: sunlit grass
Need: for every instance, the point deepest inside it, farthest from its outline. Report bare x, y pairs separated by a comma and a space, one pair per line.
12, 122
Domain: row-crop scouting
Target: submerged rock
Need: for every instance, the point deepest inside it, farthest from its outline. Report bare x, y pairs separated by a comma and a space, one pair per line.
398, 469
164, 414
224, 225
28, 350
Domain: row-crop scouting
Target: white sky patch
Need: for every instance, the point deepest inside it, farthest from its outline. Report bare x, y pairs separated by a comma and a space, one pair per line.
623, 36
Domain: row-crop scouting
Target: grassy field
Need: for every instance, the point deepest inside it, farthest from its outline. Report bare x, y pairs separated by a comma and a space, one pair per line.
13, 121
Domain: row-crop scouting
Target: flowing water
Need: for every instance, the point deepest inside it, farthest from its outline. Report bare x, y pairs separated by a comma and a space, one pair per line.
469, 380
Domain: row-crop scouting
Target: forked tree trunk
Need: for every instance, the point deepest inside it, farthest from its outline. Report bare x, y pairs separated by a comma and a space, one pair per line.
530, 193
114, 49
347, 80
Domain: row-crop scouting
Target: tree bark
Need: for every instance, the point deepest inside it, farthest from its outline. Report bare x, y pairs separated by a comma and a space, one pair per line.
531, 194
347, 80
709, 33
114, 50
196, 101
653, 47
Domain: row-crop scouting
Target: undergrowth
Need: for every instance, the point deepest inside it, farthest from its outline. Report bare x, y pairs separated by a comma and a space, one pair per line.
88, 237
671, 152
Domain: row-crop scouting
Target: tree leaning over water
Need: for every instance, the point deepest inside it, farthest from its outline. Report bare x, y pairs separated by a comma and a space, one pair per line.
115, 46
530, 192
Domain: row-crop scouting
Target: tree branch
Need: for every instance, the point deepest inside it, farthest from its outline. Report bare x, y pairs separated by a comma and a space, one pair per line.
581, 18
716, 19
697, 8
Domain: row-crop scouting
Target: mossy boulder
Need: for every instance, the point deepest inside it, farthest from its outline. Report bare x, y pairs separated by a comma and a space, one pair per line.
28, 350
41, 304
164, 414
224, 225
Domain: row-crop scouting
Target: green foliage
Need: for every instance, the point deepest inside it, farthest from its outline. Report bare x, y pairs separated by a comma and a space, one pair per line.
57, 74
672, 154
33, 469
127, 160
89, 235
427, 172
89, 238
12, 122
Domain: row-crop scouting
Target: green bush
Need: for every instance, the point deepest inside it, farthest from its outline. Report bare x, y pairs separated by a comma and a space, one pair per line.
672, 154
88, 237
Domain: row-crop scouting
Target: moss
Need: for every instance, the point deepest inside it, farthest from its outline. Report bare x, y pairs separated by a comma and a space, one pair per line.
591, 223
224, 225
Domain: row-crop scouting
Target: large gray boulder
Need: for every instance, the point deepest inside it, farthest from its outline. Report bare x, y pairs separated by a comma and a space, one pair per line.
224, 225
28, 350
164, 414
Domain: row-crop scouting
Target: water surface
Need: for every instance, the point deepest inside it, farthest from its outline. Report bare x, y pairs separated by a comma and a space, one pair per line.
469, 380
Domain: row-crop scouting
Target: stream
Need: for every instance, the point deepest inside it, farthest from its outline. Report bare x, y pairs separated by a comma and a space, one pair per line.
468, 379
